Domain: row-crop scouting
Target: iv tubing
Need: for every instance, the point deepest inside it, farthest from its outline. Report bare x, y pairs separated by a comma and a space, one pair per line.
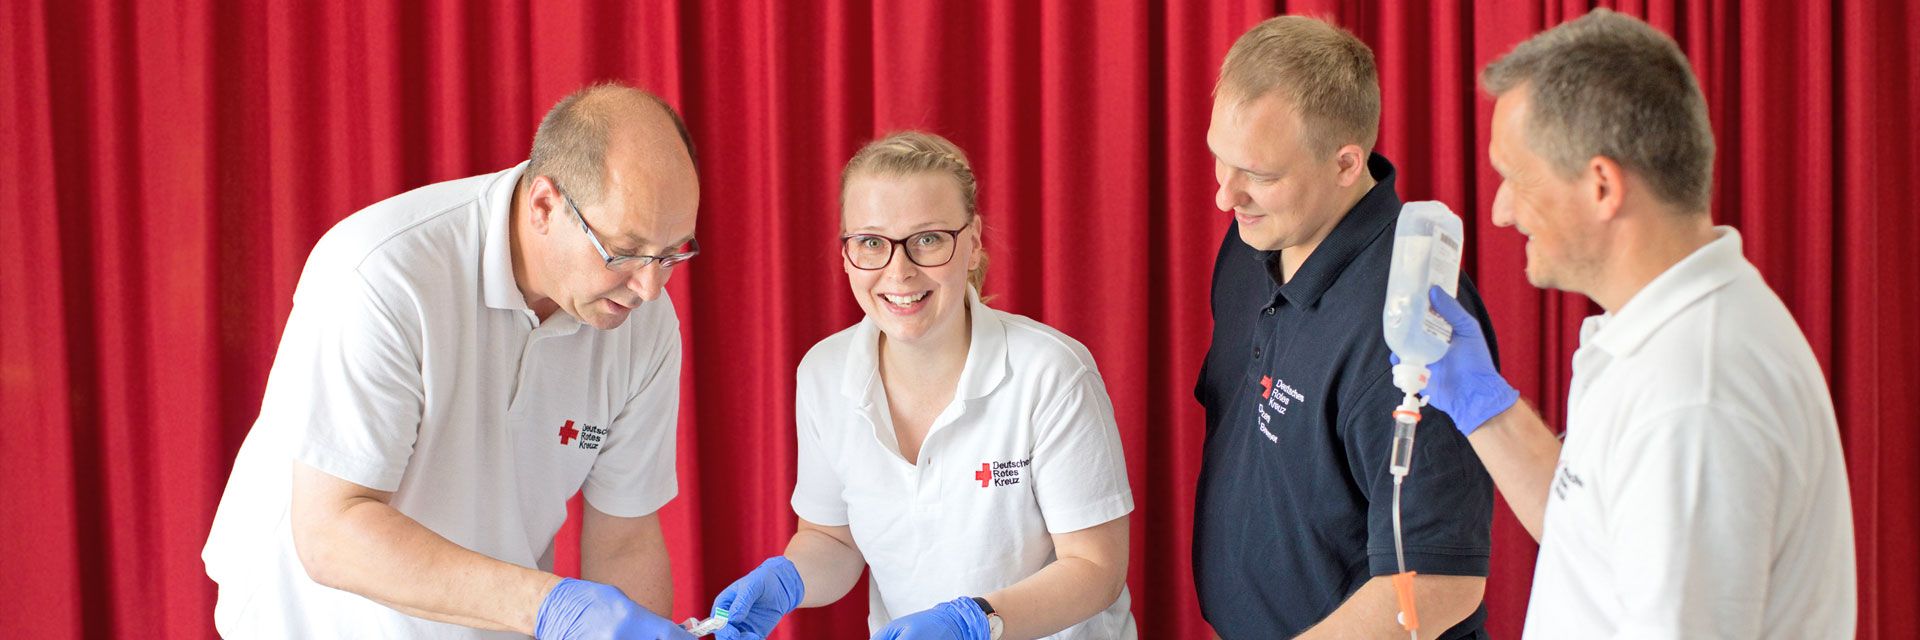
1400, 462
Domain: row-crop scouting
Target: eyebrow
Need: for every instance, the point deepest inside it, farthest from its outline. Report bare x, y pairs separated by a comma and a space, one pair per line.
630, 244
1239, 168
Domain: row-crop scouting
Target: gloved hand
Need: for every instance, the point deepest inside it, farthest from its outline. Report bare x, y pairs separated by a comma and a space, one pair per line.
758, 600
956, 619
1464, 383
582, 610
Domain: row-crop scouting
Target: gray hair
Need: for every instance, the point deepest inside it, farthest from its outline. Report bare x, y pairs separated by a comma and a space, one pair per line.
571, 144
1613, 86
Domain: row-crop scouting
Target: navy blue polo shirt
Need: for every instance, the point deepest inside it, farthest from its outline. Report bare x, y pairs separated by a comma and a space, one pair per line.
1294, 506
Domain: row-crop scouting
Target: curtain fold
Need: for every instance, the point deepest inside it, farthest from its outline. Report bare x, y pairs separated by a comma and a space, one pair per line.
169, 164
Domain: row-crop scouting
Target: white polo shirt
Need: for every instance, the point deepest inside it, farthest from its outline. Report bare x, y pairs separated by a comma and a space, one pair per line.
1701, 491
1028, 448
412, 364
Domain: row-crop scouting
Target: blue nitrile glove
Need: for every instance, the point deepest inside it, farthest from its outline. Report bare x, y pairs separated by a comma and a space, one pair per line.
756, 601
956, 619
1464, 383
582, 610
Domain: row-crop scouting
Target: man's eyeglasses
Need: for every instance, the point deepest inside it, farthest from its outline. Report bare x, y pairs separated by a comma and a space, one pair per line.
628, 263
872, 252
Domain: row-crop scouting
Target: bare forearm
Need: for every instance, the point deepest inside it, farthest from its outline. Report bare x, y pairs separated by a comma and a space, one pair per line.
828, 567
1058, 596
646, 578
369, 548
631, 555
1373, 611
1520, 453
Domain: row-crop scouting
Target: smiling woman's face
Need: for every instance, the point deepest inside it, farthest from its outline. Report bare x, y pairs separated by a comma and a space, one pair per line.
909, 302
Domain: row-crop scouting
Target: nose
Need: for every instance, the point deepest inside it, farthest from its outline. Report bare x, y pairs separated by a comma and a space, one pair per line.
1503, 206
1230, 194
648, 281
900, 268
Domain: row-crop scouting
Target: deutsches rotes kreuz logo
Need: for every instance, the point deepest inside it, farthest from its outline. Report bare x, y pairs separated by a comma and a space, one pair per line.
1004, 473
1273, 404
587, 437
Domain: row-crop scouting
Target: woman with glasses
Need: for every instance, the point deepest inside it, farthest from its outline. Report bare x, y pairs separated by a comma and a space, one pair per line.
966, 455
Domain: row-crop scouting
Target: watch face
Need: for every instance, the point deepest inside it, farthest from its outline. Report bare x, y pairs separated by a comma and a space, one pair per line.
995, 626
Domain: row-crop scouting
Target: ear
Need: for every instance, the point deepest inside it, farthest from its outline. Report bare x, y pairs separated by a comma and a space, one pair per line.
979, 228
1607, 187
543, 204
1352, 161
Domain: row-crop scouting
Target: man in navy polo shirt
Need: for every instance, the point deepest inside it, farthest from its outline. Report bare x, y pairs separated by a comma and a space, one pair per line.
1293, 528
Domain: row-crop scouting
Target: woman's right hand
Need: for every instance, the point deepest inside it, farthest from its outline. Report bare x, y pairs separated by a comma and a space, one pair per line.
756, 602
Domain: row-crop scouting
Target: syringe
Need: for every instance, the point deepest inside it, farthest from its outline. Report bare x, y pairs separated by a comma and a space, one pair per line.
703, 628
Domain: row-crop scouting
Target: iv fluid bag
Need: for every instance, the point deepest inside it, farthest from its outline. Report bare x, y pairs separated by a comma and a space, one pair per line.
1426, 252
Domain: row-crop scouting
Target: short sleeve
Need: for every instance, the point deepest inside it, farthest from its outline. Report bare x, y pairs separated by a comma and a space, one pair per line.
1080, 473
817, 488
1697, 491
348, 377
1446, 505
634, 475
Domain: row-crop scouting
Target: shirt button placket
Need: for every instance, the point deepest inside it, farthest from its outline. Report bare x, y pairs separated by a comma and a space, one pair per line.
926, 505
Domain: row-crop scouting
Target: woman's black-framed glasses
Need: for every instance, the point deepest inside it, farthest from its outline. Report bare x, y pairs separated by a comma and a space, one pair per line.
628, 263
930, 248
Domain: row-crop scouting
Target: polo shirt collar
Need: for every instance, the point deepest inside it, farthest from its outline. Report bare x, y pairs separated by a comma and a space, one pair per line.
1373, 215
497, 285
1696, 276
986, 364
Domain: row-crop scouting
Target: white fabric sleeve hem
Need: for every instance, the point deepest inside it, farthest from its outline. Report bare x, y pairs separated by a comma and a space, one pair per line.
372, 474
1093, 514
834, 515
619, 504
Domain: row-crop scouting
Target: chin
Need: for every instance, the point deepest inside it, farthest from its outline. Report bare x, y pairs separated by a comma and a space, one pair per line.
1257, 241
904, 329
602, 321
1540, 278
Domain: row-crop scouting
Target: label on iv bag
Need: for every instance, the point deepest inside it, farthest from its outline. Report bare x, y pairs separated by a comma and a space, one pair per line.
1445, 253
1445, 265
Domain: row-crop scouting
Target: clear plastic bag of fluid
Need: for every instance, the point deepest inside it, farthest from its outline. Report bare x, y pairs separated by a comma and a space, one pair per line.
1427, 244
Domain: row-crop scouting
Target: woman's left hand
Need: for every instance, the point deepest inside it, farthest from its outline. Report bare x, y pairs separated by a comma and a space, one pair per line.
958, 619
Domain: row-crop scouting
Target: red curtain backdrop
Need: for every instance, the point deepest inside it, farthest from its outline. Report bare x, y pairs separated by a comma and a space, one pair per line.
168, 164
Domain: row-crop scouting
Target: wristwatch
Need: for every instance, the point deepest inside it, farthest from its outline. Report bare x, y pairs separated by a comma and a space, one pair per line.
995, 626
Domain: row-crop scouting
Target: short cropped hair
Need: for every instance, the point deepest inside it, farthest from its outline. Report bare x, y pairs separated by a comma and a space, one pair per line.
1324, 72
1613, 86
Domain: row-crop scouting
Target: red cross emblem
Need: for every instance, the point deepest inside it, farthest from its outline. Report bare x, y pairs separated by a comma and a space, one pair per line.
983, 475
568, 433
1266, 386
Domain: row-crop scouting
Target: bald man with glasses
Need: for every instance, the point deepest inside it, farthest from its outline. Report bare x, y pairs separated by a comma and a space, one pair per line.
460, 361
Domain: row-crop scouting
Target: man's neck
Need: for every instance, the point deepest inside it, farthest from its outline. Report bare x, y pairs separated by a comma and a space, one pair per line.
1642, 252
518, 212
